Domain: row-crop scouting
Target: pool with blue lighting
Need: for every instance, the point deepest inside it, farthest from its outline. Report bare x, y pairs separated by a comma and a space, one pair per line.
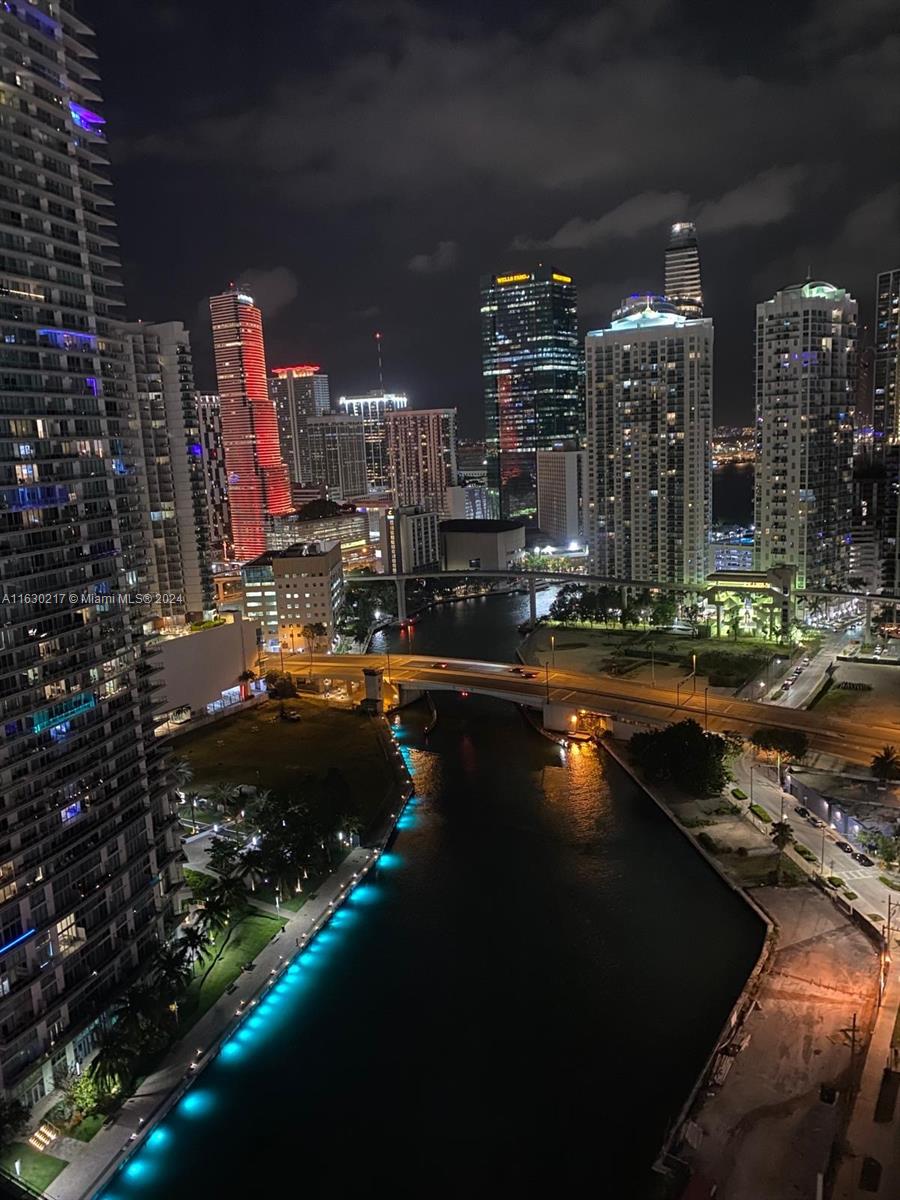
519, 998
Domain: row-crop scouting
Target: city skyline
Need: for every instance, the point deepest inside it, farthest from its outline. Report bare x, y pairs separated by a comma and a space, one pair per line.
763, 215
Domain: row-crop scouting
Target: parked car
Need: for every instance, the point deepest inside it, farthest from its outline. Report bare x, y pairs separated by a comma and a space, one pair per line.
815, 822
801, 811
845, 846
788, 683
863, 859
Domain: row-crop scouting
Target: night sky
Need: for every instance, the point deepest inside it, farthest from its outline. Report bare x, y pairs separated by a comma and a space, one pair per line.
359, 165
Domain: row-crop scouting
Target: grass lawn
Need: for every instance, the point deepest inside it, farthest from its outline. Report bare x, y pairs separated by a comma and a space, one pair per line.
288, 900
86, 1128
257, 749
38, 1169
247, 940
757, 870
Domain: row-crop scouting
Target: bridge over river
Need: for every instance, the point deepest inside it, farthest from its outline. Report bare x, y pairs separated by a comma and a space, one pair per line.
560, 695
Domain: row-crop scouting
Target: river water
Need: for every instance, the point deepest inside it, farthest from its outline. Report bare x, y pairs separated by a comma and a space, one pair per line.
521, 999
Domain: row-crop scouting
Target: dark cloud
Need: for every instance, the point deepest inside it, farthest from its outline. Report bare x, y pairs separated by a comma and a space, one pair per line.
442, 258
573, 128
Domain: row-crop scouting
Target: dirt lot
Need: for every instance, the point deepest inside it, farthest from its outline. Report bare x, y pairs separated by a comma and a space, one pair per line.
766, 1132
882, 702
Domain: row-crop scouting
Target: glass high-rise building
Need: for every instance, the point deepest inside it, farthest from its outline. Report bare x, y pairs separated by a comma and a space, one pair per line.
89, 870
298, 393
805, 387
258, 483
886, 367
531, 361
373, 411
683, 286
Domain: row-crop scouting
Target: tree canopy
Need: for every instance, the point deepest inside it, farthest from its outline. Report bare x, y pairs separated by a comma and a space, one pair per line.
693, 760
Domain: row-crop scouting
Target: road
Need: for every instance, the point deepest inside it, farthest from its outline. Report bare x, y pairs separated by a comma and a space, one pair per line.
638, 701
872, 893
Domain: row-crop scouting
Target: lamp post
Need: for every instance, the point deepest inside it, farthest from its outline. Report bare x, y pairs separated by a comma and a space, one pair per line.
547, 680
678, 692
652, 666
553, 649
706, 709
822, 871
281, 652
694, 674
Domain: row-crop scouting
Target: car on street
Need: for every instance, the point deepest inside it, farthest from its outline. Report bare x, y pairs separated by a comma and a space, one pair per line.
529, 674
845, 846
815, 822
863, 859
788, 683
805, 662
517, 670
801, 811
442, 666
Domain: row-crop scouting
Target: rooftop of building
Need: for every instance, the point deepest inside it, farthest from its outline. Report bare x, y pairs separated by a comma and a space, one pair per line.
475, 525
317, 549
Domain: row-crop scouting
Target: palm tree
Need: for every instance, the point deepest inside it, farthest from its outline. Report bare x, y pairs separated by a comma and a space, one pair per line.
225, 900
171, 969
183, 773
195, 942
114, 1061
885, 765
783, 836
223, 794
244, 679
191, 799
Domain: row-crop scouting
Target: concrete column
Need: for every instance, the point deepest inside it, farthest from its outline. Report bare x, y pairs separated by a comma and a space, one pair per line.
532, 600
374, 700
401, 600
867, 628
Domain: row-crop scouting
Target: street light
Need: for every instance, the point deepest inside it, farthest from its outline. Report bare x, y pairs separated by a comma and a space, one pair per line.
706, 709
553, 649
694, 674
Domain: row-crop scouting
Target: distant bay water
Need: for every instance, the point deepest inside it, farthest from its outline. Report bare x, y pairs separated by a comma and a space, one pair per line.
733, 494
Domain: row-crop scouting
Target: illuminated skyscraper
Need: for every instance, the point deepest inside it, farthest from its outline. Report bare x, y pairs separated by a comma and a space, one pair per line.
298, 393
173, 474
886, 374
258, 483
530, 365
649, 423
373, 411
89, 873
421, 447
805, 383
683, 287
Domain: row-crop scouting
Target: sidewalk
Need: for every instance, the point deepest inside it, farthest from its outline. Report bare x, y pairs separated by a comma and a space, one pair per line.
867, 1138
79, 1180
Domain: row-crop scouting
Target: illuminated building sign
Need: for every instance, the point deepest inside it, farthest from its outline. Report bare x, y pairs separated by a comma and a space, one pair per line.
561, 278
512, 278
302, 369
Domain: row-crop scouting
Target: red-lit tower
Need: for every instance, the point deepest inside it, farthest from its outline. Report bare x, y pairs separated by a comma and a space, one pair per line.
258, 482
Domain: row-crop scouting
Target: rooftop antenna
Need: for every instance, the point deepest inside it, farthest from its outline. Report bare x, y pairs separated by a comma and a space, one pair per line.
380, 365
808, 272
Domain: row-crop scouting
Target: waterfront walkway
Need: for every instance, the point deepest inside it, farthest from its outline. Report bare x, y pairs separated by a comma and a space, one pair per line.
91, 1160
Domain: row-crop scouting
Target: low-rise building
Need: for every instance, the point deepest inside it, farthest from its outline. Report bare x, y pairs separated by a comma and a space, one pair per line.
481, 545
201, 671
284, 590
409, 540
